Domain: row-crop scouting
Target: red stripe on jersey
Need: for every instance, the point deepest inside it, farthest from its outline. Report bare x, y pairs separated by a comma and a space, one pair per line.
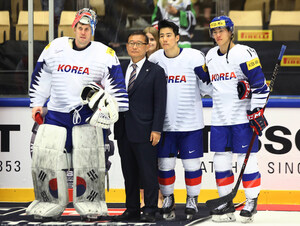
251, 183
193, 181
166, 181
225, 181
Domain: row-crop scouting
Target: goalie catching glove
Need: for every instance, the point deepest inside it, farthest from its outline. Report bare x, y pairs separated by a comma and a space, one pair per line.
257, 120
104, 106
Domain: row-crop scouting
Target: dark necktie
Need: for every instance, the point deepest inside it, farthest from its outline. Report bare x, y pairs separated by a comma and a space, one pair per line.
132, 77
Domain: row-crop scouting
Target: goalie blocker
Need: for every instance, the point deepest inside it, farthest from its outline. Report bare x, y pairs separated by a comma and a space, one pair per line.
104, 106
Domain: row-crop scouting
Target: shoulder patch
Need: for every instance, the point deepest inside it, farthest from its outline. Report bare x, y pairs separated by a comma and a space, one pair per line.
253, 63
110, 51
47, 47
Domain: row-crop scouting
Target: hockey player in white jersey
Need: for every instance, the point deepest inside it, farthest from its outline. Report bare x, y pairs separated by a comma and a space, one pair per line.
84, 84
182, 130
239, 95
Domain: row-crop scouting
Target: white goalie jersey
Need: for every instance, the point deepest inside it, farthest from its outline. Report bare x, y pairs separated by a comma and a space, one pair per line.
242, 63
63, 72
184, 89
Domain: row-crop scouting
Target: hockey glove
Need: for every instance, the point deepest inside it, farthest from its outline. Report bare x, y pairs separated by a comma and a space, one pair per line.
106, 113
88, 92
104, 106
257, 120
244, 90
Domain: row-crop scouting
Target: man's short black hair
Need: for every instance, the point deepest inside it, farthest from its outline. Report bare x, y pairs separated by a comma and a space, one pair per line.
168, 24
139, 33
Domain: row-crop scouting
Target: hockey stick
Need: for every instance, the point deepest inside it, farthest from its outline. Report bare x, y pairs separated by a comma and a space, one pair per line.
202, 219
214, 203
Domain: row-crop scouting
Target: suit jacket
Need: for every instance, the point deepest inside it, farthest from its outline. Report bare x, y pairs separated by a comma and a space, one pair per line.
147, 104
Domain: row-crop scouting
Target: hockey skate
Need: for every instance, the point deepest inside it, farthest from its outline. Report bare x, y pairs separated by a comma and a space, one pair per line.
168, 208
191, 207
224, 213
247, 213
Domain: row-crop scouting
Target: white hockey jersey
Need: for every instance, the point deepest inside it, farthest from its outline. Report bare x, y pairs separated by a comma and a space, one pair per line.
184, 89
224, 74
61, 72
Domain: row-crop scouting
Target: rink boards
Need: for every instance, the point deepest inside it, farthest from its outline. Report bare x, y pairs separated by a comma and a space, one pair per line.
279, 158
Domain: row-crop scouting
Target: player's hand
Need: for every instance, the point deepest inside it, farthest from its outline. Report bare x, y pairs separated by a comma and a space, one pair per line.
257, 120
35, 111
154, 138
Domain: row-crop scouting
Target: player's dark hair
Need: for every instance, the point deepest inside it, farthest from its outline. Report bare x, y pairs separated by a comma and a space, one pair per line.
139, 33
168, 24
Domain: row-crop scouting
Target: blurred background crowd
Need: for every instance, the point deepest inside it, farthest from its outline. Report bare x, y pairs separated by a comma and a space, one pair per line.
118, 18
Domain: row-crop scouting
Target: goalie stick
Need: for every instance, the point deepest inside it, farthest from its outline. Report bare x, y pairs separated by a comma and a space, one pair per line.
214, 203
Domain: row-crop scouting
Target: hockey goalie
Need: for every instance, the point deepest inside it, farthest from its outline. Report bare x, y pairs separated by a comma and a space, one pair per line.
69, 76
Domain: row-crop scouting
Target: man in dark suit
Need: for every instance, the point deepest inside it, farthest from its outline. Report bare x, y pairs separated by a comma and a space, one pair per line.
138, 130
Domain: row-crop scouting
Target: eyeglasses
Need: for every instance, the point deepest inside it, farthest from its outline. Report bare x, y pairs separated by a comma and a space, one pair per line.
137, 44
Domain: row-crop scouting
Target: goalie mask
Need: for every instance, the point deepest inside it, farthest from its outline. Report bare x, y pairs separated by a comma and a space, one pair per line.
221, 22
86, 16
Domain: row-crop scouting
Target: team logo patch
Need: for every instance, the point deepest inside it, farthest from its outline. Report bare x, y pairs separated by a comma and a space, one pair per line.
53, 188
110, 51
220, 23
253, 64
80, 186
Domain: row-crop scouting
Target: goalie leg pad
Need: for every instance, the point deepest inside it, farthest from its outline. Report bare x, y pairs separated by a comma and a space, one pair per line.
49, 161
89, 171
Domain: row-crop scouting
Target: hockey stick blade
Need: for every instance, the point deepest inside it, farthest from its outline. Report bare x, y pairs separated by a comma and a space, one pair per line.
214, 203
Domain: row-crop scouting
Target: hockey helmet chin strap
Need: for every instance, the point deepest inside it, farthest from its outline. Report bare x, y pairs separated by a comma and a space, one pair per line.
228, 48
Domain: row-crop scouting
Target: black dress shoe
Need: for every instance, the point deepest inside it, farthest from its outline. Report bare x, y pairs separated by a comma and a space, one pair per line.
148, 217
128, 215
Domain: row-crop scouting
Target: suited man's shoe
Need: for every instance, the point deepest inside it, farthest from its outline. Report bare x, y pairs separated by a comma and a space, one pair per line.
128, 215
148, 217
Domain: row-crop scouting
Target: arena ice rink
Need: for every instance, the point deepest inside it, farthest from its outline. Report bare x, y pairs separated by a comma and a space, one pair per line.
263, 218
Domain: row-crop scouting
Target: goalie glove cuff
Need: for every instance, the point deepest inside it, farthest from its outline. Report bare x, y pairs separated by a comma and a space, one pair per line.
257, 120
244, 90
